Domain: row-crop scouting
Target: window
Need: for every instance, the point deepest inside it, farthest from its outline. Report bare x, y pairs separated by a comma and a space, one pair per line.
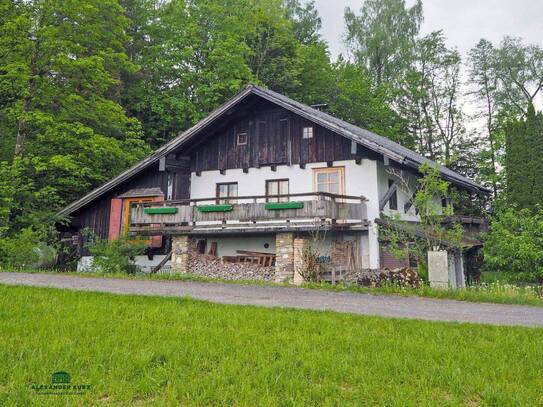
329, 180
227, 190
276, 187
242, 139
307, 132
393, 201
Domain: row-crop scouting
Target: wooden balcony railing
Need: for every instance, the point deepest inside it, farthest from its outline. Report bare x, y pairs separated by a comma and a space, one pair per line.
303, 210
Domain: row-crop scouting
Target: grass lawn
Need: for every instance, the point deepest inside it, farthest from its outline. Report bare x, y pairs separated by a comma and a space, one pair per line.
162, 351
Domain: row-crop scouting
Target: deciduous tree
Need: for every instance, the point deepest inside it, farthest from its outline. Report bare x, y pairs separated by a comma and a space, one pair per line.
382, 37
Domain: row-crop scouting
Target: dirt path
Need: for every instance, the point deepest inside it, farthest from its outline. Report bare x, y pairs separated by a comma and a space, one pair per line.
291, 297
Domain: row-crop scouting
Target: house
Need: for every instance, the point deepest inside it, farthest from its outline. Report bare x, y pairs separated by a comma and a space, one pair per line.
255, 181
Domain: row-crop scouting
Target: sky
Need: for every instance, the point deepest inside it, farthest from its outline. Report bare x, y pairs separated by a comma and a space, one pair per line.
464, 22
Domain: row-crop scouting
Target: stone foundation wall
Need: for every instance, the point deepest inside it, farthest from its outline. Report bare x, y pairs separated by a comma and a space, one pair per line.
182, 247
288, 261
284, 257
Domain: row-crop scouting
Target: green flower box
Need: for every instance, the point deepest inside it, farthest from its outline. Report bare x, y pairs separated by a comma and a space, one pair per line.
215, 208
166, 210
277, 206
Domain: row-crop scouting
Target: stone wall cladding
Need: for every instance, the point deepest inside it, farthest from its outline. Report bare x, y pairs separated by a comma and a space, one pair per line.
284, 257
182, 247
214, 267
298, 259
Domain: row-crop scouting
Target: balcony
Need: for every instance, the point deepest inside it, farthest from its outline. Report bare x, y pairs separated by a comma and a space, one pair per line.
293, 212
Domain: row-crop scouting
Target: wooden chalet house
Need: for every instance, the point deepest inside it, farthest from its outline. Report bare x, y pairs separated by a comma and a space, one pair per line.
259, 176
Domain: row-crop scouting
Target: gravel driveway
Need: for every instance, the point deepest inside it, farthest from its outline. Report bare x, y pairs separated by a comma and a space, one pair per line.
291, 297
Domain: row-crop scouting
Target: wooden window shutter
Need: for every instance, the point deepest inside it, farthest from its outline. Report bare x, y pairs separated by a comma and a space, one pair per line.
115, 213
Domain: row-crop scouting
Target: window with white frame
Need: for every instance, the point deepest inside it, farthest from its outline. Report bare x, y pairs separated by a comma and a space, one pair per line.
307, 132
242, 139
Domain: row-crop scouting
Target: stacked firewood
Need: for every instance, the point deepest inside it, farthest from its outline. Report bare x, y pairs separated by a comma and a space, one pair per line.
404, 277
215, 267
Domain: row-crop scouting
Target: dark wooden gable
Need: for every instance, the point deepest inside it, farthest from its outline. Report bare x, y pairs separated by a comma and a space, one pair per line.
96, 215
274, 137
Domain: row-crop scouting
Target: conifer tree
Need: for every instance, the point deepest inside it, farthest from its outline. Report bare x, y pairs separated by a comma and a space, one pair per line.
524, 163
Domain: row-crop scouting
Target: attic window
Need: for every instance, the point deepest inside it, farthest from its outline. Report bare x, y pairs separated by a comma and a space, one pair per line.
307, 132
242, 139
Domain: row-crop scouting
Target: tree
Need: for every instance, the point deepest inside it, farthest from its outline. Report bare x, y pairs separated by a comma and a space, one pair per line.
65, 65
430, 99
305, 19
192, 57
523, 164
195, 55
355, 100
382, 37
273, 49
515, 244
483, 79
519, 68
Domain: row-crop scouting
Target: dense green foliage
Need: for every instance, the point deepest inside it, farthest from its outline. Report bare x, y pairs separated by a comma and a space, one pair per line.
61, 65
515, 244
114, 257
88, 88
182, 352
26, 250
524, 160
515, 241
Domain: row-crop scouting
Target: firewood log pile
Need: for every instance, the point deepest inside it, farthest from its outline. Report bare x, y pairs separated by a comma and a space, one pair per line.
215, 267
404, 277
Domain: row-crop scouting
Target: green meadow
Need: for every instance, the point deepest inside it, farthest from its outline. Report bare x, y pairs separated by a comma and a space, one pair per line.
164, 351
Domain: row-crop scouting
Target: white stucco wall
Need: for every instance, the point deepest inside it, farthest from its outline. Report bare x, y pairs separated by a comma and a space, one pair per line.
403, 194
228, 246
84, 264
359, 180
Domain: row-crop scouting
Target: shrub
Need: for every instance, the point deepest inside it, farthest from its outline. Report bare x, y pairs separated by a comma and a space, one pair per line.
26, 249
115, 256
515, 245
312, 269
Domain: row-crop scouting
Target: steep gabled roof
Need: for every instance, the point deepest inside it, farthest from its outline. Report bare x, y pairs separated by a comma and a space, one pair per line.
383, 145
